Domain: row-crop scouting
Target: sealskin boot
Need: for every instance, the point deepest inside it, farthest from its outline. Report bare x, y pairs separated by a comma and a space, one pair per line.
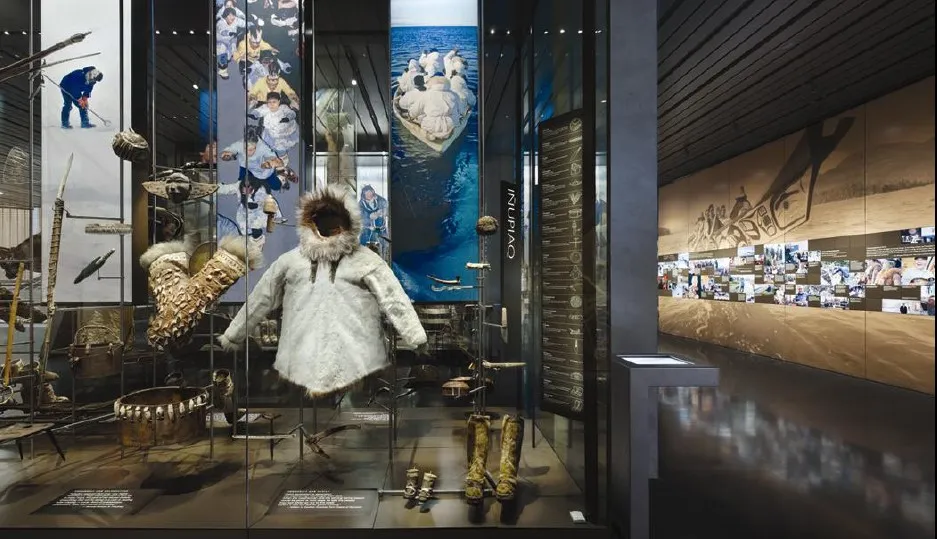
477, 443
221, 380
17, 368
413, 481
426, 492
47, 395
34, 369
512, 439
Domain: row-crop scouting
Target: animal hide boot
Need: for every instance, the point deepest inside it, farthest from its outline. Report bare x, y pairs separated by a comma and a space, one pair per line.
223, 393
47, 395
477, 444
223, 385
413, 483
512, 439
426, 491
181, 299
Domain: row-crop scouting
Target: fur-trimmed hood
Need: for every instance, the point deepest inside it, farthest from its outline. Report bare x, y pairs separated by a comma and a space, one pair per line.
327, 208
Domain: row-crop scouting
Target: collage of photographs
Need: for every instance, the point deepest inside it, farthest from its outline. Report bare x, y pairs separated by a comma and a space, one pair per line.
890, 272
258, 79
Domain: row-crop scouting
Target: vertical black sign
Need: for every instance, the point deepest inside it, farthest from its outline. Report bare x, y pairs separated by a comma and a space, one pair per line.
562, 303
512, 257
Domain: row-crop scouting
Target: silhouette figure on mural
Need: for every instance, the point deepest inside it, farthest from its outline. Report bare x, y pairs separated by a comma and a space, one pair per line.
742, 206
784, 206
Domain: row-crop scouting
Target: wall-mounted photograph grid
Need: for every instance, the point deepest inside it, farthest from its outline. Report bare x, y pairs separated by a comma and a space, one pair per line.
893, 272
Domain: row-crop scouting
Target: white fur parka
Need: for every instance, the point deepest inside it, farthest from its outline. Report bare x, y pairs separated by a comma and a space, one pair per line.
333, 292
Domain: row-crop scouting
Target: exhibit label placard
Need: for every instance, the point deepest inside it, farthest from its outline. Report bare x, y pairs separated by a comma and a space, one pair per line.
561, 205
323, 507
434, 146
85, 501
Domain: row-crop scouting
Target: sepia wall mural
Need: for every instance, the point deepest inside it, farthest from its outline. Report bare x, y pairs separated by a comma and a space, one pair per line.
866, 172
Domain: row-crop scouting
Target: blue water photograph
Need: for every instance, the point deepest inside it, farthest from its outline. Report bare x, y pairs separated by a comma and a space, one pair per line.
434, 147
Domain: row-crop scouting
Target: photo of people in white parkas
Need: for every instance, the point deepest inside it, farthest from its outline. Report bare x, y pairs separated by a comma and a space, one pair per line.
257, 120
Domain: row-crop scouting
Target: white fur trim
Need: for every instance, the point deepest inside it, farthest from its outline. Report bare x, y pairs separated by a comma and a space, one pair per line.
318, 247
247, 251
158, 250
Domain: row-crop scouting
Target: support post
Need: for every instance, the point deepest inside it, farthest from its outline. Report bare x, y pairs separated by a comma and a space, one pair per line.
632, 203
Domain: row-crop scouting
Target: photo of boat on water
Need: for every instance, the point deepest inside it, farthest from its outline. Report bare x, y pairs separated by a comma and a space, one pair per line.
434, 143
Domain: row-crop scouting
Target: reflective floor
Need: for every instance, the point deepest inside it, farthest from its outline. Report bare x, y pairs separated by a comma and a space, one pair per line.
183, 486
786, 451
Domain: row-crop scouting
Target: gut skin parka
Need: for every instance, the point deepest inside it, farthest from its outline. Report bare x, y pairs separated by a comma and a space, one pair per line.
333, 292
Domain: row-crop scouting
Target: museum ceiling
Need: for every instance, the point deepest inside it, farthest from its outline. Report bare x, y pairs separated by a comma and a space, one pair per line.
736, 74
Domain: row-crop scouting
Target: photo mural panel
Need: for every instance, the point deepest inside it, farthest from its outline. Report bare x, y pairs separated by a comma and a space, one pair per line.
837, 200
81, 112
826, 254
857, 273
899, 179
258, 80
900, 350
899, 190
672, 218
434, 147
836, 209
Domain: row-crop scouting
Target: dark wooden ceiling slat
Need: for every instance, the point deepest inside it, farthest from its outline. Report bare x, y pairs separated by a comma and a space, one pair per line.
364, 97
795, 39
684, 18
700, 36
501, 84
717, 130
736, 43
173, 96
849, 87
666, 10
767, 92
856, 72
900, 73
725, 97
380, 81
165, 105
831, 37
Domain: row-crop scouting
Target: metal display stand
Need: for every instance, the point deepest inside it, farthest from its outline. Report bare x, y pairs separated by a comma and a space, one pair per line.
272, 437
478, 392
634, 435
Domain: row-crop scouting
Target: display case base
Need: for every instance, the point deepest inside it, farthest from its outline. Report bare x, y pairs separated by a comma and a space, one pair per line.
180, 490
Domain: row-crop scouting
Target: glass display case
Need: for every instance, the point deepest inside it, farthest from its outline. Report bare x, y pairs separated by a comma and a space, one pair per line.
302, 257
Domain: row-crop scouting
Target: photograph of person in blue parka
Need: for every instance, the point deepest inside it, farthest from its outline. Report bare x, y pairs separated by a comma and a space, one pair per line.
76, 89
